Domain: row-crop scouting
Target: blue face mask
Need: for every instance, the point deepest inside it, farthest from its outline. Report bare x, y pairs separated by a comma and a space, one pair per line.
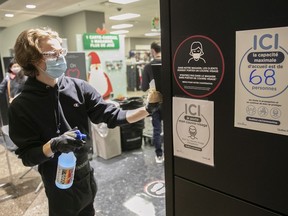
56, 67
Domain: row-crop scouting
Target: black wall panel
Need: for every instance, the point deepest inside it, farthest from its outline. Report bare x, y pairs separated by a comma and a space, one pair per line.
196, 200
249, 165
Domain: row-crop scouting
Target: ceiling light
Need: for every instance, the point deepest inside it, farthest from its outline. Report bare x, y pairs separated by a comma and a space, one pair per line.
119, 32
152, 34
123, 1
124, 16
30, 6
9, 15
121, 26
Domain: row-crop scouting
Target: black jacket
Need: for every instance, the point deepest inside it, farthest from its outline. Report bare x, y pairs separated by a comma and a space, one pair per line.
36, 112
16, 85
147, 74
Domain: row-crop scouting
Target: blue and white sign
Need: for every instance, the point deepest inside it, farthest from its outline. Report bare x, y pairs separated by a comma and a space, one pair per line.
261, 80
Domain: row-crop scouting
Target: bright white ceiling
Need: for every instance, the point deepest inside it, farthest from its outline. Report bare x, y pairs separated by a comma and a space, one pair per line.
148, 9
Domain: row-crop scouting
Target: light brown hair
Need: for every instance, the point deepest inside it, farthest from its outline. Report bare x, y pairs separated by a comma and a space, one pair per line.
27, 48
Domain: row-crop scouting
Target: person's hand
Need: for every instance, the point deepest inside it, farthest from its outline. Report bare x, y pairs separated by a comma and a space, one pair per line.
154, 96
154, 99
65, 143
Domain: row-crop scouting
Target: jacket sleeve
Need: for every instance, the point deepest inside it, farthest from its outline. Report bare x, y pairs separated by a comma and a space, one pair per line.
146, 78
26, 138
101, 111
3, 85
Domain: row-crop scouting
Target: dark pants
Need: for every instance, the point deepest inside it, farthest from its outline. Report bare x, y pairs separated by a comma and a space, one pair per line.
157, 129
75, 201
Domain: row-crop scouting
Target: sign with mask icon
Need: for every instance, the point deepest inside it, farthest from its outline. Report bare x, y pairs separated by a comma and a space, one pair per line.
198, 66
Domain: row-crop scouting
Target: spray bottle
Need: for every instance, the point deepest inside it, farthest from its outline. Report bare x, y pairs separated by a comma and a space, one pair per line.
67, 163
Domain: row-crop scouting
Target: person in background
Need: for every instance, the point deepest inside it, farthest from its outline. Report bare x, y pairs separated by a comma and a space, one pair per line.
50, 105
147, 81
13, 83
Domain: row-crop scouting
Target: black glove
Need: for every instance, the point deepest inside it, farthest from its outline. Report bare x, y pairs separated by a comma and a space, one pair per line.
152, 107
65, 143
154, 99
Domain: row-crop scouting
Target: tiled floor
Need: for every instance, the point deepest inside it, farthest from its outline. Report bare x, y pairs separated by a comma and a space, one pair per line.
130, 184
22, 190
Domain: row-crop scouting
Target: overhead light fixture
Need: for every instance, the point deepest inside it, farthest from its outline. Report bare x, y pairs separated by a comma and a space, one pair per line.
30, 6
124, 16
121, 26
119, 32
9, 15
123, 1
153, 34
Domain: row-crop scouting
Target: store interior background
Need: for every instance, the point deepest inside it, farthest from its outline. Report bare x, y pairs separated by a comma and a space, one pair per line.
71, 18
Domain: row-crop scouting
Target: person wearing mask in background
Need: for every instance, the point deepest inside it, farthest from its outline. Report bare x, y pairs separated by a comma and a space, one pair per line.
147, 81
13, 83
50, 105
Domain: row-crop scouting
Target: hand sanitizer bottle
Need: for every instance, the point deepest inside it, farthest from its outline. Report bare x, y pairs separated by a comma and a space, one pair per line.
66, 164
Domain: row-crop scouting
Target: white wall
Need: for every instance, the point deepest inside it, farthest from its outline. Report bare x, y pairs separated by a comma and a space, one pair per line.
8, 35
73, 25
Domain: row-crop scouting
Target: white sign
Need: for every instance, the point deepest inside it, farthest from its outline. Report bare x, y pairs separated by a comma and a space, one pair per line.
261, 80
193, 129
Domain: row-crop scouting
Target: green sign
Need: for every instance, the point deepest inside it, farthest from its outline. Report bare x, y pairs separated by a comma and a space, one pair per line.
92, 41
